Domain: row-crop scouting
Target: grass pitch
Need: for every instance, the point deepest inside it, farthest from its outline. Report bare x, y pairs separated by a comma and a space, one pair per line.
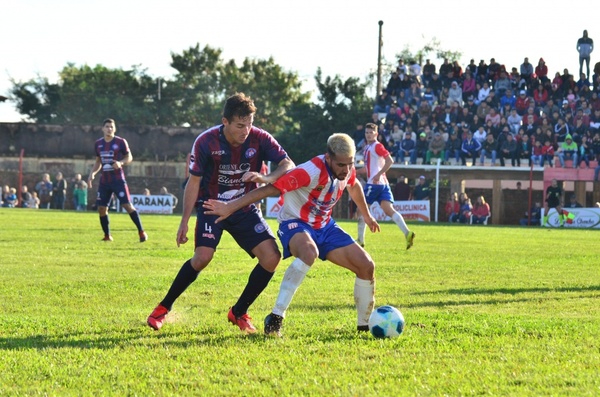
489, 310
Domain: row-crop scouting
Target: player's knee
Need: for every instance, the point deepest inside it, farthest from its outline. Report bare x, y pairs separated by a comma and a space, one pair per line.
200, 260
366, 270
270, 261
308, 254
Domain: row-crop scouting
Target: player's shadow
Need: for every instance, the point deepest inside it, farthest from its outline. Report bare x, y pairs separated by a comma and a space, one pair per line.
142, 336
514, 292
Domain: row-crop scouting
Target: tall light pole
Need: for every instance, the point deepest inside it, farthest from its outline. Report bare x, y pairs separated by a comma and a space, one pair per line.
380, 44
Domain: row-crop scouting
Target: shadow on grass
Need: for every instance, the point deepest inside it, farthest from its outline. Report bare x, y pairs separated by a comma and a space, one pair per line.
509, 291
142, 336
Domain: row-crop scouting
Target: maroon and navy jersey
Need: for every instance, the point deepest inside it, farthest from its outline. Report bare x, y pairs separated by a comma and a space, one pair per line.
222, 166
109, 152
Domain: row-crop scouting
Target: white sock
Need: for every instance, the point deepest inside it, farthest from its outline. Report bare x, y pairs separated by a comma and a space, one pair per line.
364, 298
399, 220
361, 229
289, 285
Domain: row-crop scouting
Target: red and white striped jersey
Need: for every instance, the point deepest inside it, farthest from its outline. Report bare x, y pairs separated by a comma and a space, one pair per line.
310, 191
375, 154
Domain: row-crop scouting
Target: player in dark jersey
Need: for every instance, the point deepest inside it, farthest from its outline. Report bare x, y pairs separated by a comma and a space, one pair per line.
112, 153
225, 164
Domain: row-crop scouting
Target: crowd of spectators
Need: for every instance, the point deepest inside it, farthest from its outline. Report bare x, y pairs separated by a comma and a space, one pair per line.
486, 111
47, 194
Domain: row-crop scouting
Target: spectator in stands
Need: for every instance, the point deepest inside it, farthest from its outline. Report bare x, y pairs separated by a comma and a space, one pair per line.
44, 191
428, 72
470, 148
536, 153
383, 103
415, 71
489, 148
422, 147
480, 212
561, 130
402, 69
436, 148
452, 208
436, 84
422, 190
402, 189
469, 87
480, 134
502, 84
34, 202
394, 85
596, 146
585, 151
483, 93
524, 148
541, 71
548, 153
540, 96
508, 99
453, 147
526, 71
533, 216
514, 121
522, 103
508, 150
573, 203
585, 46
568, 151
493, 116
406, 149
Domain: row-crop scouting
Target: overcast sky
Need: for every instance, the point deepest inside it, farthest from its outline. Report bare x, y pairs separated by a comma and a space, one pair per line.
341, 36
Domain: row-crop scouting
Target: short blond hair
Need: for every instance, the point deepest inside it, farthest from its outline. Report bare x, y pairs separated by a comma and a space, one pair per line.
341, 144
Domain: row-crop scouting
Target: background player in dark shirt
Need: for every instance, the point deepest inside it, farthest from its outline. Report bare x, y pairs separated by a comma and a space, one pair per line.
112, 153
225, 164
553, 200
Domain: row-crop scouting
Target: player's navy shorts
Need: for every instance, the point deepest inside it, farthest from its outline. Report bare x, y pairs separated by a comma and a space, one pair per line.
248, 229
377, 193
327, 239
105, 191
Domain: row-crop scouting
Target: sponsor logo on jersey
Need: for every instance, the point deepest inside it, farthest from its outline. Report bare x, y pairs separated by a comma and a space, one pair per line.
208, 235
319, 188
233, 169
217, 152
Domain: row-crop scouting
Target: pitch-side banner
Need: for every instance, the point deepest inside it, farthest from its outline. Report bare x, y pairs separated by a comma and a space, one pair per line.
410, 210
152, 204
574, 217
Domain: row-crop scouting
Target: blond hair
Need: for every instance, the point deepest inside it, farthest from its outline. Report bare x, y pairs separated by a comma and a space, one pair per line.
341, 144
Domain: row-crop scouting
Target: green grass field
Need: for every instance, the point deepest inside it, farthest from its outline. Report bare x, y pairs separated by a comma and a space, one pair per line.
500, 311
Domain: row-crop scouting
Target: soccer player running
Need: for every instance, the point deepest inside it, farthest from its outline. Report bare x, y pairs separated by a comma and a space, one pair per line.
112, 153
377, 161
307, 230
225, 164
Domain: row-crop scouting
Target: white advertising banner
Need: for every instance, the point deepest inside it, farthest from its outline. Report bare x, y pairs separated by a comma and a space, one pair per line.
574, 217
154, 204
410, 210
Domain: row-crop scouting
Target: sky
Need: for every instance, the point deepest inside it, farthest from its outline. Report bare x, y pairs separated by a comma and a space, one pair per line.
39, 37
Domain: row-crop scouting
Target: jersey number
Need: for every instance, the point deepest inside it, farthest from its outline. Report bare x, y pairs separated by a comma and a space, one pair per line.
207, 228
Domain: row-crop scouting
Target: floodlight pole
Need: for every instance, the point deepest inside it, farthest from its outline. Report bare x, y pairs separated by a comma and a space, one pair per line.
380, 44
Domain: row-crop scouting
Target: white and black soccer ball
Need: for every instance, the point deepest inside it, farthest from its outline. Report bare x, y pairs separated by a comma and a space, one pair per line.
386, 322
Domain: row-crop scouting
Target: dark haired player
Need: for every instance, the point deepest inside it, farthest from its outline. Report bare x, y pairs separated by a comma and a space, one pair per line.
225, 164
112, 153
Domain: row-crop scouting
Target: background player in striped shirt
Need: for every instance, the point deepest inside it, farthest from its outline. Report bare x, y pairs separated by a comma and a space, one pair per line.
112, 153
225, 164
307, 230
377, 161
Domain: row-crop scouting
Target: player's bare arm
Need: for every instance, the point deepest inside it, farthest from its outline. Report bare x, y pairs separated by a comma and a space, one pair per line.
95, 168
357, 195
224, 209
190, 195
284, 166
126, 160
386, 166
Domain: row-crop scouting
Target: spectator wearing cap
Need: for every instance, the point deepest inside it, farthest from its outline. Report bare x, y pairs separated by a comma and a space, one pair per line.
522, 103
422, 190
422, 147
470, 148
568, 151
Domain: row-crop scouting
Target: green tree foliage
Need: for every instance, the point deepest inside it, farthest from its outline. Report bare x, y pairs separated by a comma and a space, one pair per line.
432, 49
86, 95
342, 105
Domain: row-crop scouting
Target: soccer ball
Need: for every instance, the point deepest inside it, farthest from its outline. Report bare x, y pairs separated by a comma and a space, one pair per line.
386, 322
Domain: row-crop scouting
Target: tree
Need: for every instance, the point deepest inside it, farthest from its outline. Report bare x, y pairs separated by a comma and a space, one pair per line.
86, 95
432, 47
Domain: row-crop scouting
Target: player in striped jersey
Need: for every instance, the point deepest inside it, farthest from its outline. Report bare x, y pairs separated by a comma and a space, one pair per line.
377, 161
112, 153
307, 230
225, 164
